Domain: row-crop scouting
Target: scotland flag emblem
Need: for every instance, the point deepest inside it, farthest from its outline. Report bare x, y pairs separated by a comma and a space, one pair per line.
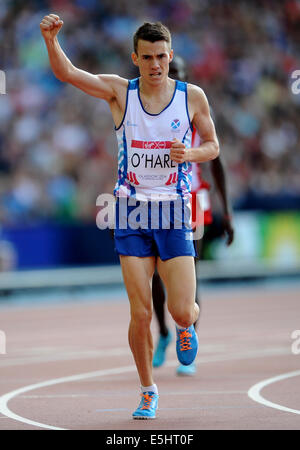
175, 124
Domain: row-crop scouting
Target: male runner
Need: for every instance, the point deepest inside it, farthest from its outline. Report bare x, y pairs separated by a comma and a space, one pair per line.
199, 186
153, 116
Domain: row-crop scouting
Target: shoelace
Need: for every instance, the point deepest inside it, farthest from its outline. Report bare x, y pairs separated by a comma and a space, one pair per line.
185, 341
147, 401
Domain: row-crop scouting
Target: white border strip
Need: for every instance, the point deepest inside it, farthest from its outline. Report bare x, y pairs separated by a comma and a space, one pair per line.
83, 376
254, 392
4, 399
101, 275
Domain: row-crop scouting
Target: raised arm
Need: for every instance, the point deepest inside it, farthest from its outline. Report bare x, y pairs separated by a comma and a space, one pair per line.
106, 87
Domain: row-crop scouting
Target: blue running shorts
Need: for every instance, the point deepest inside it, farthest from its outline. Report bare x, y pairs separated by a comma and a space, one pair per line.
153, 229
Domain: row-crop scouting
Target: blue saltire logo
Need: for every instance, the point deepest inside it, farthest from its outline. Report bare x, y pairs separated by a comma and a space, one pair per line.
175, 124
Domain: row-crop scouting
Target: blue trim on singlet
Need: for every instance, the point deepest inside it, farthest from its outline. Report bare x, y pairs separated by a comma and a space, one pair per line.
150, 114
180, 166
180, 178
187, 108
178, 187
122, 164
183, 139
132, 188
116, 129
122, 175
125, 156
133, 84
181, 85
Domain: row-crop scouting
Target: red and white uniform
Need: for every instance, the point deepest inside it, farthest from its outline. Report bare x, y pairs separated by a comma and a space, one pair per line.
200, 191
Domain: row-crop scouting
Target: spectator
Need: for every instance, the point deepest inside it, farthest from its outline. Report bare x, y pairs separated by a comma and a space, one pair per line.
55, 160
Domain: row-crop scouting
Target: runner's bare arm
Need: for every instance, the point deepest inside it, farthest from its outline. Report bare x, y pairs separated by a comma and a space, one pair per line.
201, 119
101, 86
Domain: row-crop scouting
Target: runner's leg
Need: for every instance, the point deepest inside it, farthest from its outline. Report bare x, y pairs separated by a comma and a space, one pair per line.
165, 335
199, 246
137, 274
159, 298
178, 275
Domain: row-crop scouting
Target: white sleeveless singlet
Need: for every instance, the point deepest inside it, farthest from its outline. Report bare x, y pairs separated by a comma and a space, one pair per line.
145, 170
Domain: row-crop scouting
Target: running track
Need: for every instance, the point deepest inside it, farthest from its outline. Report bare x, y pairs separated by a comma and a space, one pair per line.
68, 366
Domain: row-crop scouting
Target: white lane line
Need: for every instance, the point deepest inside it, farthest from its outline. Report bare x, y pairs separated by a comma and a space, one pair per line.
64, 356
4, 399
193, 408
59, 396
129, 394
118, 351
254, 391
46, 354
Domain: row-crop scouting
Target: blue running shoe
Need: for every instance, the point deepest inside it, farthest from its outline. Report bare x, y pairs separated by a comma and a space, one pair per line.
160, 352
186, 371
147, 407
186, 345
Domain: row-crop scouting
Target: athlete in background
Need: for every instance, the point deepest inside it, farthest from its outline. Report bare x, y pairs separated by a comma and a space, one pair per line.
200, 186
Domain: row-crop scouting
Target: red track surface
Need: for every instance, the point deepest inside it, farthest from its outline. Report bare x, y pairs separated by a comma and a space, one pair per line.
245, 337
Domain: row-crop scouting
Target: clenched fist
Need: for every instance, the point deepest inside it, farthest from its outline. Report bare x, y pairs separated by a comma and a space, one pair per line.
177, 152
50, 26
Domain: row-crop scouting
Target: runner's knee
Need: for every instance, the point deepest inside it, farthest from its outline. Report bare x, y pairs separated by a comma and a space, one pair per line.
141, 316
183, 314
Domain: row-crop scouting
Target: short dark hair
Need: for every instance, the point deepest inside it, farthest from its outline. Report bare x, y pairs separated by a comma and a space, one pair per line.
151, 32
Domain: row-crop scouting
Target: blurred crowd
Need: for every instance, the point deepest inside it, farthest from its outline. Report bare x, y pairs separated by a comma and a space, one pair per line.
58, 149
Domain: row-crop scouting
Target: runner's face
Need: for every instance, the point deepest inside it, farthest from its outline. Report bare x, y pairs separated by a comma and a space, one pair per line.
153, 60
